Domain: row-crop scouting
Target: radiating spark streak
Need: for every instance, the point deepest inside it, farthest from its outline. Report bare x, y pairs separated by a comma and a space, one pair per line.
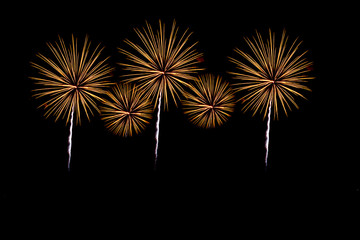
157, 130
267, 136
70, 136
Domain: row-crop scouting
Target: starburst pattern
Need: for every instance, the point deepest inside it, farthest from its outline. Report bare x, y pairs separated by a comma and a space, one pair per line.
210, 103
71, 80
274, 74
126, 111
160, 64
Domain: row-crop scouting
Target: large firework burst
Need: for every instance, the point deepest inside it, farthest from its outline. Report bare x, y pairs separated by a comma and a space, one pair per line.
210, 103
127, 110
71, 81
273, 75
161, 65
272, 78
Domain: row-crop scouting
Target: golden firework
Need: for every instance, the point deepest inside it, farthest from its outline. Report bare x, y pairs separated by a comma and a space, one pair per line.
210, 103
126, 111
273, 75
161, 65
71, 79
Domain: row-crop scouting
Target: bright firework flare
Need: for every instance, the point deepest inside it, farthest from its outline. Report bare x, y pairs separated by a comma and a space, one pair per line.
160, 65
211, 102
71, 82
126, 111
273, 76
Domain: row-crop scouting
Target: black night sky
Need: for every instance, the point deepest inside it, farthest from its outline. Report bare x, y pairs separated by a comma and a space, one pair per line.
312, 151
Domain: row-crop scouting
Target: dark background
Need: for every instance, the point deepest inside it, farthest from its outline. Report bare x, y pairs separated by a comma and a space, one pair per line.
312, 151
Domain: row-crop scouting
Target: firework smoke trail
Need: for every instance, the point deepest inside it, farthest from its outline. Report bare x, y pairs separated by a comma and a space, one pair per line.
157, 130
267, 136
70, 136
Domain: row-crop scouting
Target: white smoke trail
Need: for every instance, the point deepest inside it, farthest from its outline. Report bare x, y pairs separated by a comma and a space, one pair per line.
70, 136
157, 130
267, 136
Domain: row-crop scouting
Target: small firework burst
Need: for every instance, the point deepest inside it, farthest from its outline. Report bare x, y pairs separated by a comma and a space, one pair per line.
71, 80
210, 102
161, 65
274, 74
126, 111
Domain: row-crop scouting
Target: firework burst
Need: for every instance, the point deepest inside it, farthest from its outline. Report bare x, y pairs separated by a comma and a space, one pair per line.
210, 103
71, 81
272, 77
127, 111
161, 66
273, 74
